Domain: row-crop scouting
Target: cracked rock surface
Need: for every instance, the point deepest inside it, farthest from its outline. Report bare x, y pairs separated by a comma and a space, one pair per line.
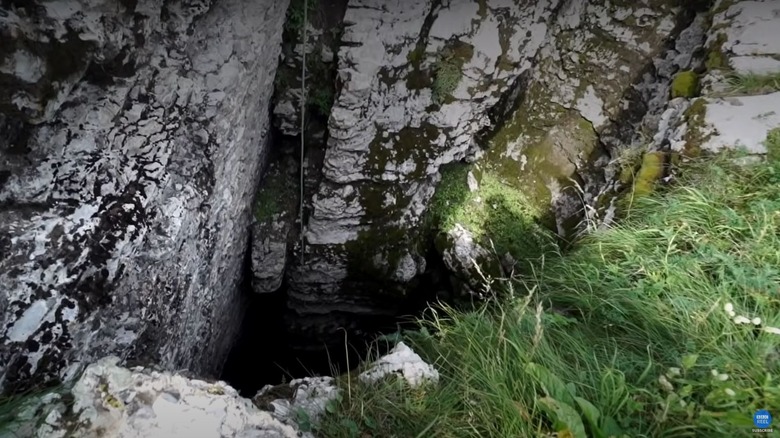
112, 401
125, 191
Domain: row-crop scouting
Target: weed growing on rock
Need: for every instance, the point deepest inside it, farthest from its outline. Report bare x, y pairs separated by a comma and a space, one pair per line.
753, 84
276, 194
447, 77
295, 17
495, 211
666, 325
772, 144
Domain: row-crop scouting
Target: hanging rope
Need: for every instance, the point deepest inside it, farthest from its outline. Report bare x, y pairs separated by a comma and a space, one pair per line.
303, 121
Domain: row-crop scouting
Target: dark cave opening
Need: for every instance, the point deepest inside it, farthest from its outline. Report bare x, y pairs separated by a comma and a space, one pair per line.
267, 352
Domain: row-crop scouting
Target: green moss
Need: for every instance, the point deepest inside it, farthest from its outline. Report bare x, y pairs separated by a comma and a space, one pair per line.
496, 212
695, 136
772, 144
408, 144
685, 84
650, 172
446, 79
716, 59
376, 254
629, 161
416, 56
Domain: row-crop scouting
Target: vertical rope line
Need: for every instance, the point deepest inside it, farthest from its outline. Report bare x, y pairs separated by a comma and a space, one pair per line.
303, 120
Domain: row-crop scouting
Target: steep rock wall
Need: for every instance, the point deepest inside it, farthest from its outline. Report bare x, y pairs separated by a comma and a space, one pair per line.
416, 81
534, 94
126, 185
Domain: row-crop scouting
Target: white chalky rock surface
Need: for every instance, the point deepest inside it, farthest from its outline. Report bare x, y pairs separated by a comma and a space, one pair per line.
751, 30
747, 36
572, 67
466, 258
747, 32
112, 402
311, 396
388, 141
742, 122
402, 362
124, 218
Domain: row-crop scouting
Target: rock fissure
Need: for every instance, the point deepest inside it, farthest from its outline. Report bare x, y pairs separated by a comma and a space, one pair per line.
439, 134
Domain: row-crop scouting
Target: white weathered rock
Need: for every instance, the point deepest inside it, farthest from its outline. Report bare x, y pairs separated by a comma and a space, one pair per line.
467, 259
741, 122
404, 363
311, 396
388, 139
109, 401
269, 256
124, 227
746, 36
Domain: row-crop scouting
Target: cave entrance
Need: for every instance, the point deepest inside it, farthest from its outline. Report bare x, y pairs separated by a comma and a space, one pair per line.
267, 352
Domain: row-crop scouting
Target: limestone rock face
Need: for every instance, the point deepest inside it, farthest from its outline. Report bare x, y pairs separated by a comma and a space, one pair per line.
417, 82
534, 93
124, 209
112, 401
742, 41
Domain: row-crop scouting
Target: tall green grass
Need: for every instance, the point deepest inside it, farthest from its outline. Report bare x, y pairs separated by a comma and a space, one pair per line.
632, 333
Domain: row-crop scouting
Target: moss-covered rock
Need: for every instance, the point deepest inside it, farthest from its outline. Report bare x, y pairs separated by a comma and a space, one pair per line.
685, 84
716, 59
695, 134
651, 170
497, 214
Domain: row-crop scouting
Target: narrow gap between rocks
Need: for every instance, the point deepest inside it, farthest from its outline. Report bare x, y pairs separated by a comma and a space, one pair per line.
268, 353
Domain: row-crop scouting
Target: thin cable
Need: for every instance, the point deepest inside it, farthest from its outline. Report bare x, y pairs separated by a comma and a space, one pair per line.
303, 119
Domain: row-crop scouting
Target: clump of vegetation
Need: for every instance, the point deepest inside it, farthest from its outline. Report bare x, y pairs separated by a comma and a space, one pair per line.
772, 144
276, 195
296, 13
651, 170
495, 211
666, 325
716, 60
695, 135
448, 69
753, 84
447, 77
321, 99
685, 84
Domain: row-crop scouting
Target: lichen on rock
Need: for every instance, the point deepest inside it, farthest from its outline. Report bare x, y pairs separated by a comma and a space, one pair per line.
125, 212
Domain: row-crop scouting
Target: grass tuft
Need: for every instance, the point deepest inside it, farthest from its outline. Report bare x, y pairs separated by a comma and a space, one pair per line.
754, 84
665, 325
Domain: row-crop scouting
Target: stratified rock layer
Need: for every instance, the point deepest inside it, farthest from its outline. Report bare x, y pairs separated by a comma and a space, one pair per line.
549, 88
124, 198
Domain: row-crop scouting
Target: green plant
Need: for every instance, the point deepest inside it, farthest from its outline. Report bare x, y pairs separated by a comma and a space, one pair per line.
447, 76
494, 211
321, 98
276, 196
685, 84
754, 83
295, 17
665, 325
772, 144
